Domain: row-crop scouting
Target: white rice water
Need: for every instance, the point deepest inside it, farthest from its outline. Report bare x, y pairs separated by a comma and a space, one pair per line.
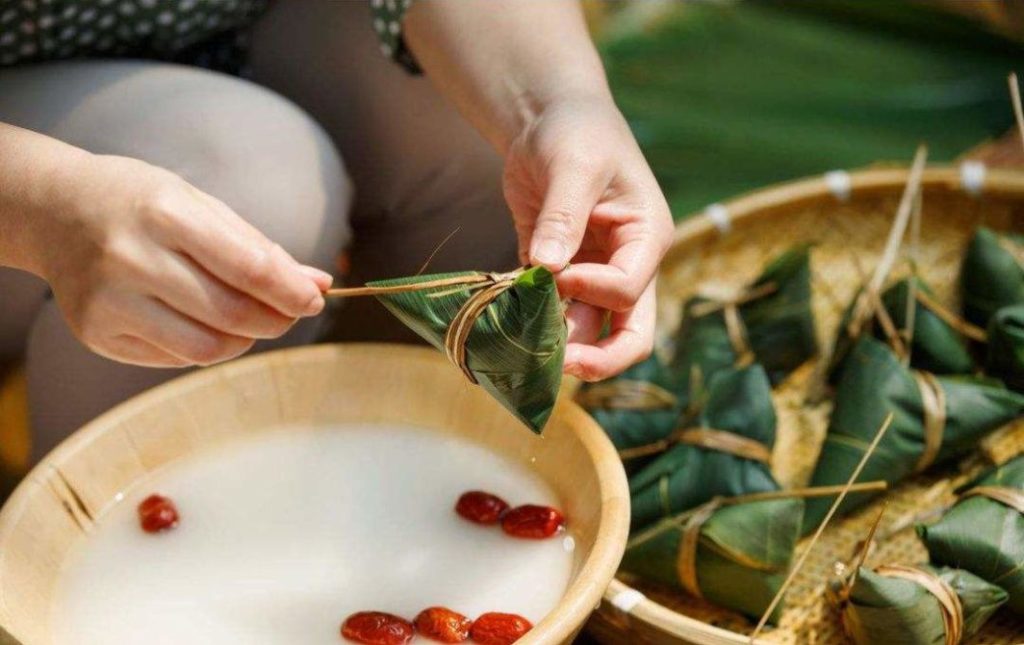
284, 534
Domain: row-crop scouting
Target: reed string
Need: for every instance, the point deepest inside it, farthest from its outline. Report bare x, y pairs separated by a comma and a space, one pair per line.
821, 528
1018, 111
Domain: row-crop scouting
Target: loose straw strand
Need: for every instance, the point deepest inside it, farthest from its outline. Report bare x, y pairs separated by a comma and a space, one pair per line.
1018, 111
821, 528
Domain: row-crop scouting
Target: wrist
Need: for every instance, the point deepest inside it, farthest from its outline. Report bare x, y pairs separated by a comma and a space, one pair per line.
531, 107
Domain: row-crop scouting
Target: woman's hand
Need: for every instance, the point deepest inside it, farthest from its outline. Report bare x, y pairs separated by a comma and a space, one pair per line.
584, 200
149, 270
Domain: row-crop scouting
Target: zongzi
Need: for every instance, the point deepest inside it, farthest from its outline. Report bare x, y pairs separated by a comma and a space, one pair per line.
936, 418
992, 275
506, 331
636, 409
736, 556
900, 605
723, 451
938, 344
984, 532
770, 323
1005, 357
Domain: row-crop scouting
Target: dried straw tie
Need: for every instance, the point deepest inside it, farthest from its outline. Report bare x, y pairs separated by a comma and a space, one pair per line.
734, 326
949, 602
485, 287
933, 407
626, 394
1011, 497
708, 438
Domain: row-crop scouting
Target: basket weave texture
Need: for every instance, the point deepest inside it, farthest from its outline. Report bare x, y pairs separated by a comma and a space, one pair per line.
848, 235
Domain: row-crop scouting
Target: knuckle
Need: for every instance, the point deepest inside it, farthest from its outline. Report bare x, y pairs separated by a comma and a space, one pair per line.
207, 349
256, 268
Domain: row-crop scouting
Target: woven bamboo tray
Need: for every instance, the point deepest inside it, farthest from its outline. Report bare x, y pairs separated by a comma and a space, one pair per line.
847, 216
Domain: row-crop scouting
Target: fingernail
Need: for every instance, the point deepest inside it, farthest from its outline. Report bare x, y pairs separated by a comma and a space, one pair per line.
550, 253
322, 278
315, 306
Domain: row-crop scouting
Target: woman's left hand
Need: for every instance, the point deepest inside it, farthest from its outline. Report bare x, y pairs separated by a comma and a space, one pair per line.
587, 206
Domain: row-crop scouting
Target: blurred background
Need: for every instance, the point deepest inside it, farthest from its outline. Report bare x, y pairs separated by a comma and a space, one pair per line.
730, 96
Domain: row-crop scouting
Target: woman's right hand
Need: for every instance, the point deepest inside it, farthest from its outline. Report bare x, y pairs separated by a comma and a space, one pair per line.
150, 270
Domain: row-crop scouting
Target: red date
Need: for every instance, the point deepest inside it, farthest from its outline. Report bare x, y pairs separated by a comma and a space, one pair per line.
480, 507
377, 628
443, 624
157, 513
494, 628
532, 522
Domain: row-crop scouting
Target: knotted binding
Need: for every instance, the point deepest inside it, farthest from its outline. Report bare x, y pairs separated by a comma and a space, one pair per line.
933, 405
708, 438
734, 325
949, 602
485, 287
1011, 497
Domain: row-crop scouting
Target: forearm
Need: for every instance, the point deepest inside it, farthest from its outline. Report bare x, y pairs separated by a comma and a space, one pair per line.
35, 176
502, 63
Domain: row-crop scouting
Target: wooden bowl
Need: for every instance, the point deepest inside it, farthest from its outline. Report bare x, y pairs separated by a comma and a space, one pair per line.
326, 384
847, 216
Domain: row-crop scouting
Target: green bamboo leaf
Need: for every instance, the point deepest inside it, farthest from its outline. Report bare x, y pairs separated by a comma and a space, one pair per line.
1005, 358
743, 554
936, 347
874, 383
631, 428
779, 326
738, 401
516, 348
992, 276
984, 537
894, 611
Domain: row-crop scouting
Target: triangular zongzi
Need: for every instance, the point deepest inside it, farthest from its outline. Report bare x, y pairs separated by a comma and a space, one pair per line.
935, 419
515, 346
723, 451
739, 560
900, 605
770, 322
1005, 348
992, 275
638, 408
984, 532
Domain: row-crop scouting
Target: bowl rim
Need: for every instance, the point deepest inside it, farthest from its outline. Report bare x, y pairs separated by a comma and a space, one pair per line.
592, 577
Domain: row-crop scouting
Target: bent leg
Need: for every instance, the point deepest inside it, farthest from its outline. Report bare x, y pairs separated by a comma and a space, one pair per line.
420, 170
243, 144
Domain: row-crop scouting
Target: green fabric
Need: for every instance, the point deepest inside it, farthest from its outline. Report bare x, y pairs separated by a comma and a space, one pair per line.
991, 277
779, 325
633, 428
936, 347
984, 536
874, 383
738, 401
1005, 359
894, 610
727, 97
743, 555
517, 345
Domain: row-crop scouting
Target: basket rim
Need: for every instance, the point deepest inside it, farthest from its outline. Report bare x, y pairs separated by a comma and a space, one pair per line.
970, 177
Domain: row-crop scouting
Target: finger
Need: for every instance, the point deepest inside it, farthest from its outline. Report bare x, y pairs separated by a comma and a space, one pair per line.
631, 340
191, 290
238, 254
572, 193
135, 351
617, 285
584, 323
178, 335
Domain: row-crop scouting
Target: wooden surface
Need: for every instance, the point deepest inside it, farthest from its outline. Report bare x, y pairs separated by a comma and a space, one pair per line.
61, 498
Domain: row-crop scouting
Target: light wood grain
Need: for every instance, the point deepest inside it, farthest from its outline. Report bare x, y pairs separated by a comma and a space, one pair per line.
327, 384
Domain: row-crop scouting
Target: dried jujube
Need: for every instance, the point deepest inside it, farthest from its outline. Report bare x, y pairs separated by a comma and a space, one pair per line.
443, 624
495, 628
377, 628
157, 513
480, 507
532, 522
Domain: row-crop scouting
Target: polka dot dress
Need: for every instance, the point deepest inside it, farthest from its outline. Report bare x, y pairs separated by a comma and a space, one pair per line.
208, 33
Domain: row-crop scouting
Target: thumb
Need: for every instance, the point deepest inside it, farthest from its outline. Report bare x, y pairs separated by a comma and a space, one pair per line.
563, 217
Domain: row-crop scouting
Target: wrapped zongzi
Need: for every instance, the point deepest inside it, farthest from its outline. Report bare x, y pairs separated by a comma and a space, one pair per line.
736, 556
636, 408
935, 419
900, 605
770, 323
992, 275
1005, 357
723, 451
984, 532
506, 331
937, 341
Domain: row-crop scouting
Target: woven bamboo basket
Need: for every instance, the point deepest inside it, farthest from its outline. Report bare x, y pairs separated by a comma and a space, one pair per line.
306, 388
847, 216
